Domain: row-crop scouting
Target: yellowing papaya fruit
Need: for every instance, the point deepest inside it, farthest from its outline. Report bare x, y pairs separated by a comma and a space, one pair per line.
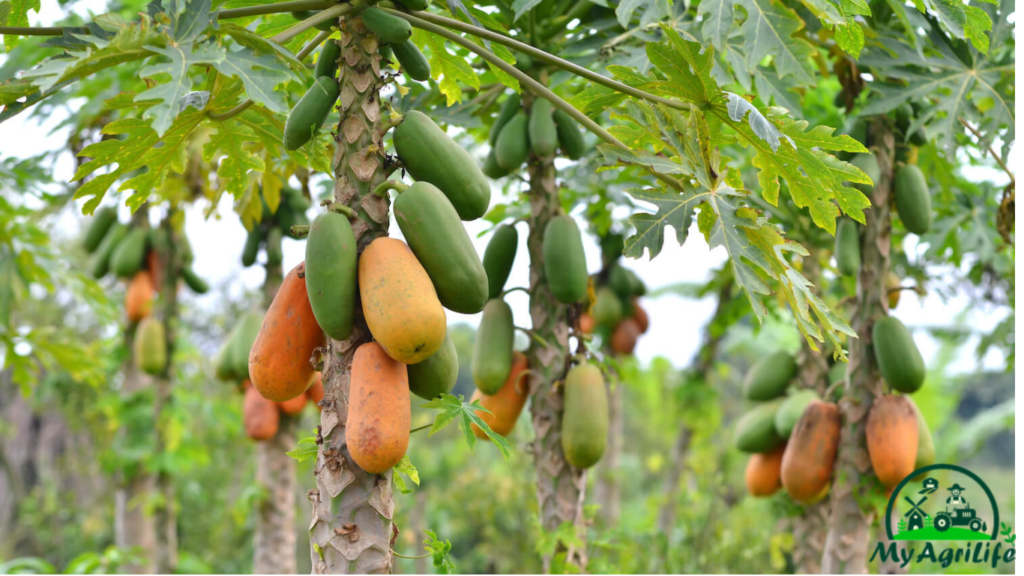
755, 430
309, 112
102, 220
892, 438
492, 348
327, 61
570, 140
259, 415
913, 200
498, 258
810, 455
377, 432
508, 109
764, 473
437, 374
585, 417
769, 377
892, 282
150, 347
294, 406
413, 62
542, 131
625, 335
99, 264
513, 144
586, 323
641, 317
847, 249
565, 263
868, 164
898, 358
331, 255
389, 28
607, 310
138, 299
507, 403
791, 409
130, 253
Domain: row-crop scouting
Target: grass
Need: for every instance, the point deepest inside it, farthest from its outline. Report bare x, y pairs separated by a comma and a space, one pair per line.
953, 533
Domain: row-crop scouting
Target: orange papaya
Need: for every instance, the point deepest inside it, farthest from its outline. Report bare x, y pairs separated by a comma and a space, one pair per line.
641, 317
294, 406
587, 323
138, 300
259, 415
625, 336
377, 432
764, 472
507, 403
892, 436
316, 390
810, 455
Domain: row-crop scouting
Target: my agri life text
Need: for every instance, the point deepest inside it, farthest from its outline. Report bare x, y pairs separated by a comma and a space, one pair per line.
971, 553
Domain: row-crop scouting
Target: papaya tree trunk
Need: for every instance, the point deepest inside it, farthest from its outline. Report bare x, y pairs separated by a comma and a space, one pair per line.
352, 523
846, 546
165, 512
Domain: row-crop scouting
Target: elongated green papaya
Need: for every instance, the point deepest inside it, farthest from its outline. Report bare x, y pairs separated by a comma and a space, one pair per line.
507, 111
327, 62
492, 350
898, 358
222, 368
498, 258
791, 409
150, 347
100, 262
570, 140
621, 281
331, 260
433, 231
565, 263
431, 156
252, 246
513, 145
386, 54
130, 254
769, 377
919, 137
391, 29
275, 255
194, 282
847, 247
904, 117
492, 169
542, 131
413, 62
102, 220
755, 430
184, 248
437, 374
868, 163
913, 200
294, 199
310, 112
415, 4
585, 419
607, 309
241, 344
306, 14
639, 287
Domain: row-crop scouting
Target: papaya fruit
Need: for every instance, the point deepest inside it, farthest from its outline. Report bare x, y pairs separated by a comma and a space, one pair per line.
411, 59
294, 200
918, 137
184, 248
791, 409
99, 264
289, 217
327, 61
315, 393
565, 263
138, 299
847, 247
259, 415
764, 473
399, 302
377, 432
194, 282
513, 144
640, 315
612, 245
585, 417
570, 140
625, 335
913, 200
898, 358
415, 5
508, 109
155, 267
294, 406
904, 117
433, 231
892, 438
492, 348
386, 54
620, 281
755, 430
223, 369
431, 156
498, 258
279, 361
388, 27
810, 454
306, 14
309, 112
252, 246
102, 220
130, 253
868, 163
542, 132
331, 256
244, 336
769, 377
507, 403
925, 444
492, 169
150, 347
437, 374
586, 323
607, 309
892, 282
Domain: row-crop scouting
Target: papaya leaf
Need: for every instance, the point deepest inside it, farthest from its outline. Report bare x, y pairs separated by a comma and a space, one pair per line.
455, 409
305, 449
169, 93
448, 69
405, 467
771, 30
16, 15
440, 551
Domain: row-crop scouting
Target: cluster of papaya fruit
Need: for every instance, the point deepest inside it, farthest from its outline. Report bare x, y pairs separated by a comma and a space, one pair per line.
616, 313
515, 133
274, 226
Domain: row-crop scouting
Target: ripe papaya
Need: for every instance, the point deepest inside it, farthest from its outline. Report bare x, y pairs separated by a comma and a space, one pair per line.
509, 108
279, 361
913, 200
194, 282
130, 253
155, 267
294, 406
847, 247
892, 437
431, 156
586, 323
331, 255
432, 228
327, 62
102, 220
513, 144
607, 310
389, 28
377, 432
565, 263
810, 455
570, 140
507, 403
415, 4
925, 444
413, 62
897, 355
892, 282
306, 14
138, 299
315, 393
585, 418
492, 349
755, 430
437, 374
252, 246
498, 258
542, 131
492, 169
99, 265
868, 164
764, 472
641, 317
259, 415
769, 377
243, 337
150, 347
625, 335
791, 409
309, 112
399, 302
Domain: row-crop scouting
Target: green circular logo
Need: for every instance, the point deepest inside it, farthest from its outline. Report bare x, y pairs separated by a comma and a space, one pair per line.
955, 518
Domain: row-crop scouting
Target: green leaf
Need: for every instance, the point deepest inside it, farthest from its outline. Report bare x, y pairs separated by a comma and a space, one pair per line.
405, 467
235, 160
304, 450
770, 30
260, 74
17, 16
978, 23
439, 551
448, 69
718, 16
520, 7
454, 409
170, 93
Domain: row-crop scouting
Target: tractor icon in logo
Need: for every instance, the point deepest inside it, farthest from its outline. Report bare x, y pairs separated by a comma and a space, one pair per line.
931, 516
961, 515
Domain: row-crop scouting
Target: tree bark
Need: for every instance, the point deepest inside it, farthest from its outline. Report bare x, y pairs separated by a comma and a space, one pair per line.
352, 513
846, 547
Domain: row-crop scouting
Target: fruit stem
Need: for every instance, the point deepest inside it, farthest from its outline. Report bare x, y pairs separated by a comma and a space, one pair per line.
300, 230
383, 187
339, 208
275, 8
418, 428
516, 289
536, 337
411, 557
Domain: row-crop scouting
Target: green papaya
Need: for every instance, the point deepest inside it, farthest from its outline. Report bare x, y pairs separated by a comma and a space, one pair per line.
150, 347
100, 262
768, 377
130, 253
385, 54
492, 169
621, 281
437, 374
431, 156
498, 258
433, 231
612, 246
307, 14
607, 309
194, 282
252, 246
224, 367
639, 287
868, 163
542, 131
913, 200
925, 444
513, 145
904, 117
585, 416
331, 260
507, 111
327, 62
275, 254
184, 248
389, 28
898, 358
570, 140
919, 137
755, 430
791, 409
415, 4
241, 344
847, 247
310, 112
102, 220
492, 349
159, 240
565, 263
413, 62
294, 199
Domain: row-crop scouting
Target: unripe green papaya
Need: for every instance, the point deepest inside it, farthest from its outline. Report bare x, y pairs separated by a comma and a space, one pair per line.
310, 112
222, 368
331, 260
868, 163
925, 444
847, 247
542, 131
904, 117
791, 409
389, 28
507, 111
294, 199
241, 344
492, 169
570, 140
431, 156
492, 350
307, 14
415, 4
913, 200
585, 417
130, 253
413, 62
620, 280
565, 263
102, 220
897, 355
184, 248
513, 145
327, 62
437, 374
769, 377
498, 258
607, 309
755, 430
274, 252
194, 282
385, 54
150, 347
639, 287
919, 137
252, 246
612, 246
433, 231
100, 262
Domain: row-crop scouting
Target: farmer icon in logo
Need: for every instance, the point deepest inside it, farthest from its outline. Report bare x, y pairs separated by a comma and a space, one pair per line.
953, 519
